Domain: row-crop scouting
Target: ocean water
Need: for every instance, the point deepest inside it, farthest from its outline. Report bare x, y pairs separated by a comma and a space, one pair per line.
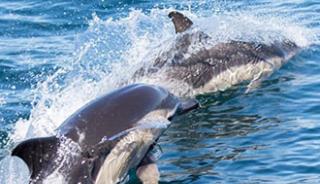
55, 56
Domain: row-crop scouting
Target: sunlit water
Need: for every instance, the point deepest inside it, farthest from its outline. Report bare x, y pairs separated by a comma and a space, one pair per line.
57, 55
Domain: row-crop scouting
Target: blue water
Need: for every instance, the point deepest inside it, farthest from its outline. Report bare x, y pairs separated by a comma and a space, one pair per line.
57, 55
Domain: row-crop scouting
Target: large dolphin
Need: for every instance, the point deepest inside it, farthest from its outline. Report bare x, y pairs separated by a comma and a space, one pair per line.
104, 139
207, 67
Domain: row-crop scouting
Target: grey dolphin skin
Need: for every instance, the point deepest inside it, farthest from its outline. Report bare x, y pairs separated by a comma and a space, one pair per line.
207, 67
104, 139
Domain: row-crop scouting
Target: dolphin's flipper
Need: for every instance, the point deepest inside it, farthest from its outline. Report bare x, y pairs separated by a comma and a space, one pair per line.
149, 173
187, 106
258, 79
256, 82
181, 22
37, 153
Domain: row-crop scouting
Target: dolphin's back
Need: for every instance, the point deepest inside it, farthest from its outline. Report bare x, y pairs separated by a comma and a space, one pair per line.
115, 112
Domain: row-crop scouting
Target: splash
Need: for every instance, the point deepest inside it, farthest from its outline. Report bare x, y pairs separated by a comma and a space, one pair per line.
63, 163
246, 26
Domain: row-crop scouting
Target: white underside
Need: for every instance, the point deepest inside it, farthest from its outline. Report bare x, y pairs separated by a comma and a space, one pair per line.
132, 148
238, 74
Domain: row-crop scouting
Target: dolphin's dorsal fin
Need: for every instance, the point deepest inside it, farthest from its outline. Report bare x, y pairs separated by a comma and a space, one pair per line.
181, 22
37, 153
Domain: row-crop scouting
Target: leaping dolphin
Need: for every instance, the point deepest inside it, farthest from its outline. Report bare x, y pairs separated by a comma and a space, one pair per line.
106, 138
205, 67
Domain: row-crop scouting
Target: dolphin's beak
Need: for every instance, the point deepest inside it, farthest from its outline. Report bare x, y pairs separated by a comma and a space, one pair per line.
186, 106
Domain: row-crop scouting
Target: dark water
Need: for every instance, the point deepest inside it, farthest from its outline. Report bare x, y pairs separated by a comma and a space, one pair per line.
57, 55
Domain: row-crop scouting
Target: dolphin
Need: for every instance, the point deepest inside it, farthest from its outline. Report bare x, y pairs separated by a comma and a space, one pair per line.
205, 67
106, 138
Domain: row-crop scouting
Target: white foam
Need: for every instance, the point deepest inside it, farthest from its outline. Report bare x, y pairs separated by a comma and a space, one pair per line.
63, 163
246, 26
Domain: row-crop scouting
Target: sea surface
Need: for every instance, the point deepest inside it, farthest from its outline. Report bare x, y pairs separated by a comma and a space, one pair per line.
57, 55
